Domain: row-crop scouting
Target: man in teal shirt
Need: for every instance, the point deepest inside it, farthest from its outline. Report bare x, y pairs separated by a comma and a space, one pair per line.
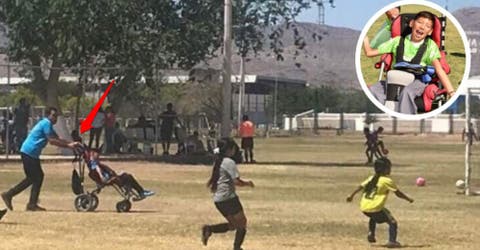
31, 149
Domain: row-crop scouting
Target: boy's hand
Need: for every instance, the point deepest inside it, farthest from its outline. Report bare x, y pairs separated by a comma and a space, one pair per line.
250, 183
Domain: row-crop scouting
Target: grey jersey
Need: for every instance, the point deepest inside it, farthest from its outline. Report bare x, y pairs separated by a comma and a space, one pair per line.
225, 184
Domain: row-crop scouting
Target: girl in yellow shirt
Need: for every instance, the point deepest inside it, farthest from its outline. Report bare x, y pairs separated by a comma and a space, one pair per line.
375, 193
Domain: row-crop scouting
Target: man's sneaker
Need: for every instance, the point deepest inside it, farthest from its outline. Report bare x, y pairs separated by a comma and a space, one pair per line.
7, 200
35, 208
371, 238
2, 213
205, 234
393, 244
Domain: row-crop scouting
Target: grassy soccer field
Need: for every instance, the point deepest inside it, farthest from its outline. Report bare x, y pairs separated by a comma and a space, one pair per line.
298, 202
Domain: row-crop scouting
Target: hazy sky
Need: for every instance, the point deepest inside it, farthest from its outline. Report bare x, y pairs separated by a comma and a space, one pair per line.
356, 13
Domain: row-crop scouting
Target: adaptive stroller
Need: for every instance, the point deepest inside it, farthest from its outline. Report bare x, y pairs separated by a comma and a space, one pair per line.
433, 95
88, 201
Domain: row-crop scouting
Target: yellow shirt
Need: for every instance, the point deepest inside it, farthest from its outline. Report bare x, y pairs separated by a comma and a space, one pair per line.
375, 201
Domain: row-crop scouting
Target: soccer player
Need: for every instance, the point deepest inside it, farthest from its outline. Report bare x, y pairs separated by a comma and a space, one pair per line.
224, 178
375, 193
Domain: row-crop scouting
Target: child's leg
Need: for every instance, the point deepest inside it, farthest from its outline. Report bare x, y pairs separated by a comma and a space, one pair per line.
371, 230
408, 95
129, 180
378, 91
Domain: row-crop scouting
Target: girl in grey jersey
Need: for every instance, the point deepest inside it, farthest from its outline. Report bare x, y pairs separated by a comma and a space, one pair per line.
224, 178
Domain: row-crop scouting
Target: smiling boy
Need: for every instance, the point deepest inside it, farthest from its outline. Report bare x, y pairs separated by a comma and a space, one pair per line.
418, 48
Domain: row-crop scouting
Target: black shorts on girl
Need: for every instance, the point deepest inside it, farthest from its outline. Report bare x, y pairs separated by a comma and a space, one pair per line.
381, 216
229, 207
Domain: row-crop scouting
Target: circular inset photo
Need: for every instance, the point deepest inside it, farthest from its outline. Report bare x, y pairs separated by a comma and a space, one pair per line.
411, 59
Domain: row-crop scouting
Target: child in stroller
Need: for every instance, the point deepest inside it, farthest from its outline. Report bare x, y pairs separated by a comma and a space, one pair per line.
126, 185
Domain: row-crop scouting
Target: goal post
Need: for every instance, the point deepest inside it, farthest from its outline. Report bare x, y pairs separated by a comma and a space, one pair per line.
472, 94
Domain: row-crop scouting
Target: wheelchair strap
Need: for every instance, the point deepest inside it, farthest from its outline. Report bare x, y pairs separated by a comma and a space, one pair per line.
418, 56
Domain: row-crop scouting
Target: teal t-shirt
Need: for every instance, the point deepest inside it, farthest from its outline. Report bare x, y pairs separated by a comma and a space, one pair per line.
38, 138
410, 49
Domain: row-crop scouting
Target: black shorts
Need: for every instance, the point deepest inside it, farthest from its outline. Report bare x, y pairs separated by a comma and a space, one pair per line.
381, 216
229, 207
247, 142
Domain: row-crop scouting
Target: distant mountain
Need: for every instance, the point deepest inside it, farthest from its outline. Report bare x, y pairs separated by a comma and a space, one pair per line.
469, 19
327, 59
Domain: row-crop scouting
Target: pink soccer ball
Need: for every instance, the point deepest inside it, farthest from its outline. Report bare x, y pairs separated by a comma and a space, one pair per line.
420, 182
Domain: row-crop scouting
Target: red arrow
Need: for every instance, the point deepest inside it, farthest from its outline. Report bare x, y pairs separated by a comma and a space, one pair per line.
87, 122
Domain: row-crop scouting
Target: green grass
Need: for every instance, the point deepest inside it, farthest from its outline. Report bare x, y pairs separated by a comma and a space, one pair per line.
453, 46
298, 201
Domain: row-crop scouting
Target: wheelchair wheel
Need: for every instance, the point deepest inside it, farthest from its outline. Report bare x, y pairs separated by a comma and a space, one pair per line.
83, 203
124, 206
94, 202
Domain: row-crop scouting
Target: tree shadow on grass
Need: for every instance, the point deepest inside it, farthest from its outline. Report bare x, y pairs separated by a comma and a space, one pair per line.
405, 246
321, 164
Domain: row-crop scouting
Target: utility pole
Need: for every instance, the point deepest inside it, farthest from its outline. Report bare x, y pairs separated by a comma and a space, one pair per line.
227, 70
321, 10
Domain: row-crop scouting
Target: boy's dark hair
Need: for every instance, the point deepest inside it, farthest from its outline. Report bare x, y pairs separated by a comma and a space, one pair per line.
426, 14
245, 118
399, 8
381, 166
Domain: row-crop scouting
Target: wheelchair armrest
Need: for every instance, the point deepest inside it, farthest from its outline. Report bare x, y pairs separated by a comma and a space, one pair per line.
385, 59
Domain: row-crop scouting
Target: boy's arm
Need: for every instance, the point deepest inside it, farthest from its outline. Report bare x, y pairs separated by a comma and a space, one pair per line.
350, 197
368, 49
401, 195
443, 77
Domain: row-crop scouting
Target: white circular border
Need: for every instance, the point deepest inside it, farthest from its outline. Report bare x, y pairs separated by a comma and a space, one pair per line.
359, 49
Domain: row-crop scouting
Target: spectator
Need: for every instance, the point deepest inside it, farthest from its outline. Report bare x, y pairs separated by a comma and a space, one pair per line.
471, 135
246, 132
109, 128
118, 138
194, 144
166, 129
96, 129
20, 122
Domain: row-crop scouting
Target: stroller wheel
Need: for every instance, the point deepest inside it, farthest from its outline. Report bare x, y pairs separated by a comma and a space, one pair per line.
94, 202
124, 206
84, 202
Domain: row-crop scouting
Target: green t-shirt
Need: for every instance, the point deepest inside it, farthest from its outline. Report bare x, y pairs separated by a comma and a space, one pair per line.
410, 49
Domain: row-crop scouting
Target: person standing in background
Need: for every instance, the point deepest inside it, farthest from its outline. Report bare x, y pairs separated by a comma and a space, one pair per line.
96, 129
246, 132
110, 119
20, 121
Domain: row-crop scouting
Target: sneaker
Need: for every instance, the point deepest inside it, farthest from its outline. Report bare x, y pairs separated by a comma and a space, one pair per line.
206, 233
393, 244
371, 238
2, 213
8, 201
35, 208
147, 193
